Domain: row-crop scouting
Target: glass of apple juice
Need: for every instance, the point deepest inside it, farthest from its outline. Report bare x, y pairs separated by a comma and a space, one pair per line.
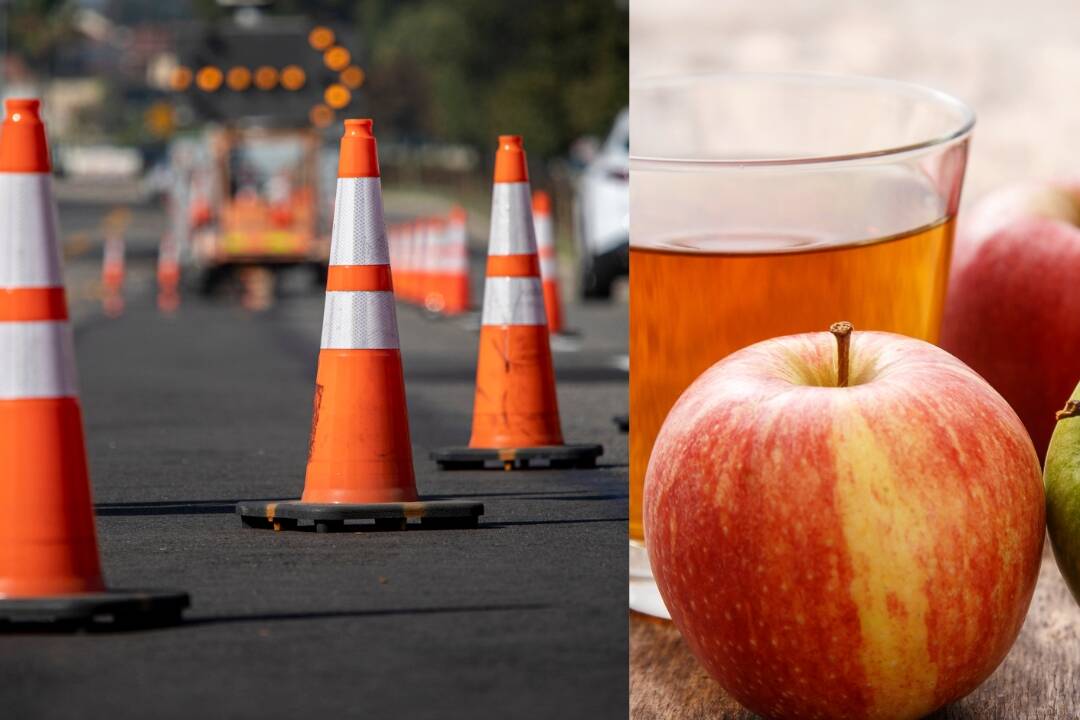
765, 205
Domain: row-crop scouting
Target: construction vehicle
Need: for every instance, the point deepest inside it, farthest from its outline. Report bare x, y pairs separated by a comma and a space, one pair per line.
267, 92
259, 202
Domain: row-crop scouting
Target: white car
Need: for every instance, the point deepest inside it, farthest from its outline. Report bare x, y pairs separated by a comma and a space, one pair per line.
602, 211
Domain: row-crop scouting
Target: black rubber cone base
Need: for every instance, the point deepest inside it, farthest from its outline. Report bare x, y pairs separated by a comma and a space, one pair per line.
108, 610
331, 517
544, 456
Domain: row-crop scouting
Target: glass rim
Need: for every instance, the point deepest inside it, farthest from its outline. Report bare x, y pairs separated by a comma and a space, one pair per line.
965, 125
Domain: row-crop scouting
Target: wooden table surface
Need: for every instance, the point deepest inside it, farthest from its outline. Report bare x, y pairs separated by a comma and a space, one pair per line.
1039, 680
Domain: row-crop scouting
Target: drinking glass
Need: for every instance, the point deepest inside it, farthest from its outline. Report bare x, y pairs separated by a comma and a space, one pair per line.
769, 204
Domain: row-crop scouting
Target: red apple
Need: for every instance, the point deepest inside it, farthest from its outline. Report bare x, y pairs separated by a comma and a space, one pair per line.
1013, 308
866, 551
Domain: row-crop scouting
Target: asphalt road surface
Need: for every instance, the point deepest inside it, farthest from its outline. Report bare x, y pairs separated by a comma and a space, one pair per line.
523, 617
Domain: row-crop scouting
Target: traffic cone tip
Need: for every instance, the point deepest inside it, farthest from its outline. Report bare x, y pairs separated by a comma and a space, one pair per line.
23, 148
359, 127
541, 202
358, 157
29, 106
510, 163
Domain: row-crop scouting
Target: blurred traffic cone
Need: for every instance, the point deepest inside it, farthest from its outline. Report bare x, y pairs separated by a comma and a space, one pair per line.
393, 238
515, 411
549, 266
359, 456
49, 565
426, 249
168, 274
257, 288
112, 271
411, 257
434, 291
456, 292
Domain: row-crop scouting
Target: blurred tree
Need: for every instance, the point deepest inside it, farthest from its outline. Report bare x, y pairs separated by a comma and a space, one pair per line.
132, 12
468, 70
36, 29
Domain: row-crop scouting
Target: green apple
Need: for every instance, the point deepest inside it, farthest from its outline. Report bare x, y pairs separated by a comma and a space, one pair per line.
1062, 478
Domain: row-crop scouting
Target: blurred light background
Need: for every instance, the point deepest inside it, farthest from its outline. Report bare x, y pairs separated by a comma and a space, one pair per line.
1016, 64
441, 79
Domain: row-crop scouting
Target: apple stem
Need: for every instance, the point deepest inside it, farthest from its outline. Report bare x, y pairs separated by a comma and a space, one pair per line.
842, 331
1071, 409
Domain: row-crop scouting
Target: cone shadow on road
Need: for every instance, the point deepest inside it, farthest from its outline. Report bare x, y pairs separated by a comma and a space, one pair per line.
384, 612
175, 507
228, 507
108, 629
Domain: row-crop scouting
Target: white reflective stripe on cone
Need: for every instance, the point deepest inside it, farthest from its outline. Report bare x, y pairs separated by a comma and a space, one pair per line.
419, 248
458, 262
114, 250
512, 231
446, 257
457, 234
395, 246
37, 360
459, 247
29, 249
359, 320
513, 301
359, 235
548, 268
431, 255
168, 249
543, 231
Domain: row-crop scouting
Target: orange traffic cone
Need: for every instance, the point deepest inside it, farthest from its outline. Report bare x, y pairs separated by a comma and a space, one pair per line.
456, 290
49, 565
515, 411
168, 274
112, 272
359, 456
549, 269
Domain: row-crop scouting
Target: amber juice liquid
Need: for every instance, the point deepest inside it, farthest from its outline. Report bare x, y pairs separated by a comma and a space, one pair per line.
690, 307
